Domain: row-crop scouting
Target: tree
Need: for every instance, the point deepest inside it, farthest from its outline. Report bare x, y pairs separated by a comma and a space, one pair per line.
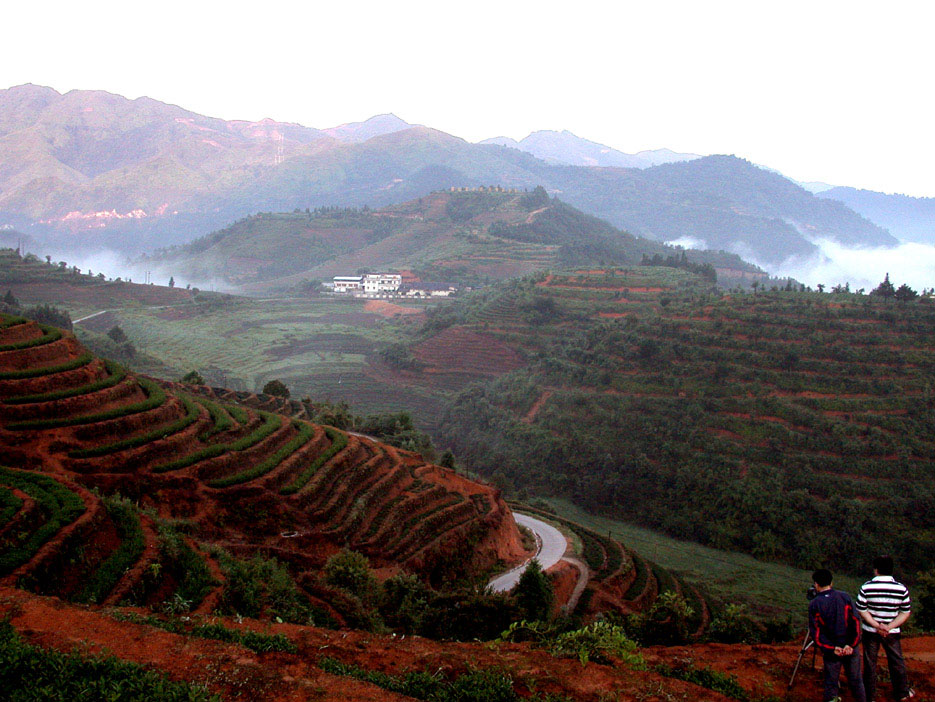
117, 334
905, 294
534, 592
10, 300
276, 388
193, 378
447, 460
171, 281
884, 289
350, 571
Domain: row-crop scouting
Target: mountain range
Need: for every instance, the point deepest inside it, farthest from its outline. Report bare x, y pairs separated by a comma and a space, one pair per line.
89, 170
909, 218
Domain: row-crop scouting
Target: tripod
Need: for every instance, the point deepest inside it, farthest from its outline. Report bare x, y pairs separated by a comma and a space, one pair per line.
808, 643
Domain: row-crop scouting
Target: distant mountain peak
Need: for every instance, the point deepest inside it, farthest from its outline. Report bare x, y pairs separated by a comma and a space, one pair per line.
567, 148
378, 125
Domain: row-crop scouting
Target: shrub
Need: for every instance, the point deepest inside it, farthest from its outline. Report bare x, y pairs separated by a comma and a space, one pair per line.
350, 571
734, 625
32, 672
193, 378
403, 603
598, 641
724, 683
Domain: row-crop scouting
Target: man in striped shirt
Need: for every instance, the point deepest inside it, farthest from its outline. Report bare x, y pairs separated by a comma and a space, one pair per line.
884, 606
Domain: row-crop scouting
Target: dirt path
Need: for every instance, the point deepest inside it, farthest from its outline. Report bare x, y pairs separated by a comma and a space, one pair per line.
583, 577
536, 406
533, 214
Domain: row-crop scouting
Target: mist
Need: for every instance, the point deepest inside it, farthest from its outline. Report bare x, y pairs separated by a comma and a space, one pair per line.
910, 263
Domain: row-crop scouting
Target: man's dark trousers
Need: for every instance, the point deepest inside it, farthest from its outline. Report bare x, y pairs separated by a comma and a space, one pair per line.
851, 665
894, 657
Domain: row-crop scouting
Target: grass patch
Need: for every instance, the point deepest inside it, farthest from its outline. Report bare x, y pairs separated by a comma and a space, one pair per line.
59, 505
126, 518
30, 672
155, 397
271, 422
10, 504
116, 373
306, 432
338, 442
726, 684
79, 362
189, 418
188, 567
487, 685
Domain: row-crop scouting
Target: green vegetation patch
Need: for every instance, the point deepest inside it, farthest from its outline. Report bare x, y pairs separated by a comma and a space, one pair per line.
271, 423
487, 685
30, 672
221, 419
190, 417
59, 505
10, 504
126, 518
51, 334
715, 680
155, 397
254, 640
338, 442
79, 362
306, 432
115, 374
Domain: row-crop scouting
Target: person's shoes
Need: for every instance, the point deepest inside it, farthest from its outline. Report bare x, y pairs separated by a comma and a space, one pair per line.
909, 696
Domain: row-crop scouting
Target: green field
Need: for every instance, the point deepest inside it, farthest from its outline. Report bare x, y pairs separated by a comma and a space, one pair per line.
727, 576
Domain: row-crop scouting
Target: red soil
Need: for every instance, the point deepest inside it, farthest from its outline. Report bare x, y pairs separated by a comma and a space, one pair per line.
388, 309
232, 671
459, 350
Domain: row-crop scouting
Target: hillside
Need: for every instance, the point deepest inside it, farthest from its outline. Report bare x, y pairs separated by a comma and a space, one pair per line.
90, 170
467, 237
909, 218
78, 432
783, 424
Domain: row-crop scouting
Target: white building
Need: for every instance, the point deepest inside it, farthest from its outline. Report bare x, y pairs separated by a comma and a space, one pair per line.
348, 283
375, 283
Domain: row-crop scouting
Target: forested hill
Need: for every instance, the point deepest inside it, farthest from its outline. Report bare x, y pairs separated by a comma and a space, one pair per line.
795, 426
471, 236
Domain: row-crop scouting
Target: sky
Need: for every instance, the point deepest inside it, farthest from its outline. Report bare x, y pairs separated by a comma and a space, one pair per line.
838, 92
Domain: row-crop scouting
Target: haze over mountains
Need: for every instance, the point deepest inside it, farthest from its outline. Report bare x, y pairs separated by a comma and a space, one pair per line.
90, 170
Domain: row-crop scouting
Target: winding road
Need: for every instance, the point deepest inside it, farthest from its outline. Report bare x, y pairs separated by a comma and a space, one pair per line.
551, 547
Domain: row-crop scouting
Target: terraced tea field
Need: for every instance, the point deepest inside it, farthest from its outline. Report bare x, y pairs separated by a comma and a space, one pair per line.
86, 444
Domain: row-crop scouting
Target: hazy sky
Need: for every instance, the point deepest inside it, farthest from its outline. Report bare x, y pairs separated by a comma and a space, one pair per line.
833, 91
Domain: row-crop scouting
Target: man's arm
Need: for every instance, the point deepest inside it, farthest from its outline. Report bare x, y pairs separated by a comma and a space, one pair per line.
896, 623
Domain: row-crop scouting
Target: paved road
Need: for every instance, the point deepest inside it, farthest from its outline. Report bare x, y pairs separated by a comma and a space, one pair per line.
552, 545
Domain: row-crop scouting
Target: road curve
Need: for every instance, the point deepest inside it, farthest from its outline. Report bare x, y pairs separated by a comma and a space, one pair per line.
551, 547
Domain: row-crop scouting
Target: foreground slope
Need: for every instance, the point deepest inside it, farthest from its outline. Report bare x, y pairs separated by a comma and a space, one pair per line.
76, 431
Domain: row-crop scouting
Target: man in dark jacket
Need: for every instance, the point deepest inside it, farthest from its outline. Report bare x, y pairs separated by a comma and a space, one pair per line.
835, 628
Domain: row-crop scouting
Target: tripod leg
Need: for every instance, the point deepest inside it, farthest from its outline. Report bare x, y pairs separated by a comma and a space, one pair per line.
806, 644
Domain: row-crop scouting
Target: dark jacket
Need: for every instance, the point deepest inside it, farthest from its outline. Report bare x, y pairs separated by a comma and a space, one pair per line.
832, 621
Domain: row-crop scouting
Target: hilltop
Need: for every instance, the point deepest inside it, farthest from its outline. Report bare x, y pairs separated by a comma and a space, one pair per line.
136, 174
470, 236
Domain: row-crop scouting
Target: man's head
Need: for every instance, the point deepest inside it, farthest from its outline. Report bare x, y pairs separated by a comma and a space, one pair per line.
822, 578
883, 565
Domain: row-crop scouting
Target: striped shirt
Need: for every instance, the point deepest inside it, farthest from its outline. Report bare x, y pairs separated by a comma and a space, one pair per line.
884, 598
